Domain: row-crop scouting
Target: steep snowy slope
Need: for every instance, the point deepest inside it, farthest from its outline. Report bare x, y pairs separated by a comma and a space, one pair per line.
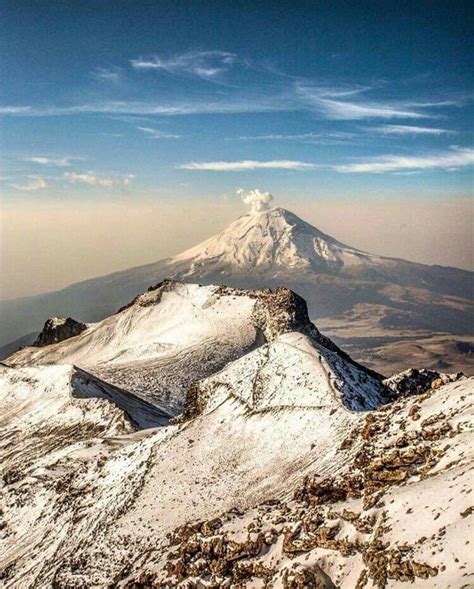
89, 496
167, 337
177, 333
44, 404
273, 248
85, 514
292, 371
41, 416
397, 514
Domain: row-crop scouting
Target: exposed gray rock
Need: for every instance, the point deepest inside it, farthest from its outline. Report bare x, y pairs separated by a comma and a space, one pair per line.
57, 329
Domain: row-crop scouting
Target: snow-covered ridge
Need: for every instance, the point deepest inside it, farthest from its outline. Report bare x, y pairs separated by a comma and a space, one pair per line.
398, 514
175, 334
95, 477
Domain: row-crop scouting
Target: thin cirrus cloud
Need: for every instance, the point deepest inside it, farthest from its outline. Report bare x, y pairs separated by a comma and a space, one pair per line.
340, 104
318, 138
111, 74
452, 159
60, 162
157, 134
34, 183
326, 108
180, 108
248, 165
99, 181
207, 65
331, 103
410, 130
16, 110
350, 111
282, 92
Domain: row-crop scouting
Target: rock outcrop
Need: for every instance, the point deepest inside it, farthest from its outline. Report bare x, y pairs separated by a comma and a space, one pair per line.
416, 381
58, 329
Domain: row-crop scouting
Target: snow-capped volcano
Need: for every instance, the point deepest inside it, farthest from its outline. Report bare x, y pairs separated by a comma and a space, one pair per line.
355, 296
271, 239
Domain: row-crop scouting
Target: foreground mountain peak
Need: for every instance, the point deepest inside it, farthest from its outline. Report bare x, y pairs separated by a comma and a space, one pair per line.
142, 347
277, 454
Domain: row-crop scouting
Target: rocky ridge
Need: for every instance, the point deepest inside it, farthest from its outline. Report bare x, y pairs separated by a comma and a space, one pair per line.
292, 465
344, 531
139, 347
58, 329
416, 381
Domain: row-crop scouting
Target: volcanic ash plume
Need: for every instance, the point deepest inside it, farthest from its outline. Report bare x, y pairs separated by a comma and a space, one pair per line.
259, 201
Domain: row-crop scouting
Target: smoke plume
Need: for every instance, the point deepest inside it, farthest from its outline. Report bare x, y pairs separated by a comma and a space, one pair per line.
259, 201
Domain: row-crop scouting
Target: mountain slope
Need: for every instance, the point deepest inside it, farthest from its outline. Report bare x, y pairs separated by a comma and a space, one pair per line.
273, 248
353, 528
177, 333
89, 496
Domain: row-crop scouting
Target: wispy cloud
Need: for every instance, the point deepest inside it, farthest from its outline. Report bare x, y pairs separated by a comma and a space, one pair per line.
410, 130
33, 183
457, 101
340, 110
318, 138
196, 107
266, 90
277, 102
110, 74
16, 110
207, 65
101, 181
245, 165
61, 162
454, 158
333, 103
157, 134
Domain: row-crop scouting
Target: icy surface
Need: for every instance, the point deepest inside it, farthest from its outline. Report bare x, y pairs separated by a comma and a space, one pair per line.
89, 495
168, 337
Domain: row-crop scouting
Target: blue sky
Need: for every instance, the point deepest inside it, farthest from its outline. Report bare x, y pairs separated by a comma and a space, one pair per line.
101, 99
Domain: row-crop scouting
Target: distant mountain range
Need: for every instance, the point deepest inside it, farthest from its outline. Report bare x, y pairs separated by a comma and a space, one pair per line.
377, 307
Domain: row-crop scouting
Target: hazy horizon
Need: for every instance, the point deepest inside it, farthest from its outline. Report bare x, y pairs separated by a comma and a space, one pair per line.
124, 144
74, 246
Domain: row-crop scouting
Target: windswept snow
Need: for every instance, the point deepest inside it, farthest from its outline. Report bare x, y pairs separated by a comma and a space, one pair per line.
176, 334
95, 477
293, 371
168, 337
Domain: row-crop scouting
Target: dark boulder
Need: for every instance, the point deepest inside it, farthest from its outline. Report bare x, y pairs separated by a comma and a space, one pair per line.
57, 329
